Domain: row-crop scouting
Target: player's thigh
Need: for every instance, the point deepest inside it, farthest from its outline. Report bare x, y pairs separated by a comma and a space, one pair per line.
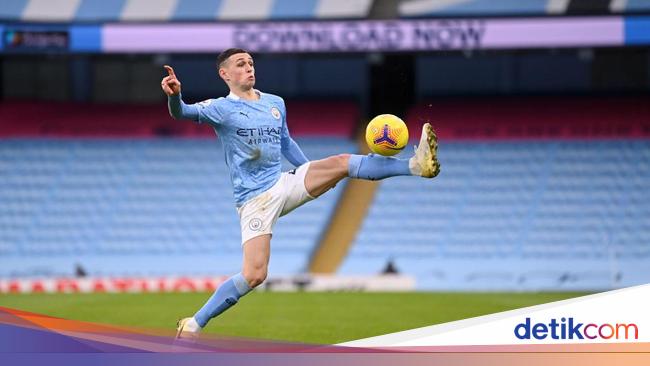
325, 173
257, 252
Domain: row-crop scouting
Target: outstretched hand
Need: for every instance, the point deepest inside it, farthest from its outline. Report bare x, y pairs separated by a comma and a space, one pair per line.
170, 84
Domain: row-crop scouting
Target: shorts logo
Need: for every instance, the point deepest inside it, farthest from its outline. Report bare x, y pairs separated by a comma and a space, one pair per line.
275, 113
255, 224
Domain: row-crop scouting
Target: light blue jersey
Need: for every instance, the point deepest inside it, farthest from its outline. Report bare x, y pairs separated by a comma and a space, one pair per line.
254, 134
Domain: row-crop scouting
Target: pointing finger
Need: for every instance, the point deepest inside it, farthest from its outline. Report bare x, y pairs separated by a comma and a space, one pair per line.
170, 71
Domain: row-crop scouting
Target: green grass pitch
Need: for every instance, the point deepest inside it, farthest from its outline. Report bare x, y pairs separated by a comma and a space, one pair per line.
323, 318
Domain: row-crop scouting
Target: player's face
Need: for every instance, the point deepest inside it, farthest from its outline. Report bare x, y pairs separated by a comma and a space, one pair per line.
239, 70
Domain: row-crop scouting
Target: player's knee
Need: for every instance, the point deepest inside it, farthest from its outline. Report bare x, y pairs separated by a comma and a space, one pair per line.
342, 159
255, 277
341, 162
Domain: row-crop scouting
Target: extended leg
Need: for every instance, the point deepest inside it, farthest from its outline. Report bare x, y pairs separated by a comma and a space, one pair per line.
324, 174
254, 270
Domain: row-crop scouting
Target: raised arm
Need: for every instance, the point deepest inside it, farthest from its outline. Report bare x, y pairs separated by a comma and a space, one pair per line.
177, 108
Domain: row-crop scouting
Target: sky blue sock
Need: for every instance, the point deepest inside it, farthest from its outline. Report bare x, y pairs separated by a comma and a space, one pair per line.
223, 298
374, 167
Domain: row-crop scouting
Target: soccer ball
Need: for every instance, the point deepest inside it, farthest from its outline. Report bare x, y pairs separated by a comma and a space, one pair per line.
387, 135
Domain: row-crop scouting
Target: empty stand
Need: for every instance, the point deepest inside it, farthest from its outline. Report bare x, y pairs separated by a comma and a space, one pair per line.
210, 10
96, 185
129, 207
514, 207
525, 199
477, 8
541, 117
181, 10
28, 119
413, 8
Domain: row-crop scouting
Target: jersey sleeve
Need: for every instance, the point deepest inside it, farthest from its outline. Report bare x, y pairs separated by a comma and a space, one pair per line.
290, 148
179, 110
283, 111
210, 112
207, 111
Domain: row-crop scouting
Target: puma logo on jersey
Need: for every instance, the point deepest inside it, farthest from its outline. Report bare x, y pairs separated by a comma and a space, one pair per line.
244, 114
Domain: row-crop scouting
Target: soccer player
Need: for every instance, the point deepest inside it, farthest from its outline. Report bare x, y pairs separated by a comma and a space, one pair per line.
253, 128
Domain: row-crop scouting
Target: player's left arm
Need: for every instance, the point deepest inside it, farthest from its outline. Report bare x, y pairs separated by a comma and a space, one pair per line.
292, 152
290, 148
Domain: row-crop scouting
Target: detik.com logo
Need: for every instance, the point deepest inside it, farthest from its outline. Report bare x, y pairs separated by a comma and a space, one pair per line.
568, 328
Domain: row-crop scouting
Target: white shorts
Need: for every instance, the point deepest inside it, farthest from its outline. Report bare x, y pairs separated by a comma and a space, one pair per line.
258, 215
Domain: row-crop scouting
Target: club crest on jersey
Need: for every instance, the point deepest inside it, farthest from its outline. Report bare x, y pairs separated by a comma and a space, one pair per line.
275, 113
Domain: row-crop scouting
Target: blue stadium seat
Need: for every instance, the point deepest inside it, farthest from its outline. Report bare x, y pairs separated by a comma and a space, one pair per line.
181, 10
106, 203
502, 215
498, 205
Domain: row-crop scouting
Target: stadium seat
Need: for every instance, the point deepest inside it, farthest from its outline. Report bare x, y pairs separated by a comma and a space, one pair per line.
182, 10
103, 203
508, 203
